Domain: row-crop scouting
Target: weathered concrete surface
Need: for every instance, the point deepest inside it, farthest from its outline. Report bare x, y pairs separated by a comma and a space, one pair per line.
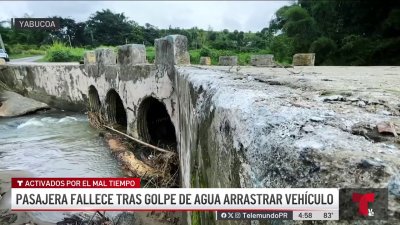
205, 61
228, 60
304, 59
266, 127
262, 60
105, 56
60, 86
172, 50
13, 104
131, 54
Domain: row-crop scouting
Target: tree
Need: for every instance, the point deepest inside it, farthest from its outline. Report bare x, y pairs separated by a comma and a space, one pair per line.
70, 32
300, 26
108, 28
150, 33
357, 32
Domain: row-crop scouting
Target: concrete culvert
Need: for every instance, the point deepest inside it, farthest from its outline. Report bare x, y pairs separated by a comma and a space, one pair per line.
116, 113
155, 125
94, 100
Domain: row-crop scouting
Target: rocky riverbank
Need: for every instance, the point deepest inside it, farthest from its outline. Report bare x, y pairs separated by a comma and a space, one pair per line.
14, 104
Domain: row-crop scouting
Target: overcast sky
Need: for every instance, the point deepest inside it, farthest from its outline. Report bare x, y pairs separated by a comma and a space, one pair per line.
239, 15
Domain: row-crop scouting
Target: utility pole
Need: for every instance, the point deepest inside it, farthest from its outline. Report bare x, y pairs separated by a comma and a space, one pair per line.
2, 43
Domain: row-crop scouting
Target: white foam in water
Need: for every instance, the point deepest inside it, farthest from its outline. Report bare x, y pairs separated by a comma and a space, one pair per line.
67, 119
49, 120
31, 122
46, 120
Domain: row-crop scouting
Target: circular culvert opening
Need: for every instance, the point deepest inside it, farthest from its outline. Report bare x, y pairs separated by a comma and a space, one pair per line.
94, 100
155, 125
115, 110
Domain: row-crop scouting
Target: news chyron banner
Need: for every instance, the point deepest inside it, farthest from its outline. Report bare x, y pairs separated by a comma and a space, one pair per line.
125, 194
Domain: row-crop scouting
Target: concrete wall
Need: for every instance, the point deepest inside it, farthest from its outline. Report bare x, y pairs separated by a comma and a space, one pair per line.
262, 60
304, 59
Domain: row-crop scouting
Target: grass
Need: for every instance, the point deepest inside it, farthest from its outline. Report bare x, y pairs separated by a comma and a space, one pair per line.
150, 54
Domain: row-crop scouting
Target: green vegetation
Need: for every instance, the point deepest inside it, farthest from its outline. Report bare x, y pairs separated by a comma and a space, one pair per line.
150, 54
21, 51
340, 32
214, 54
196, 220
58, 52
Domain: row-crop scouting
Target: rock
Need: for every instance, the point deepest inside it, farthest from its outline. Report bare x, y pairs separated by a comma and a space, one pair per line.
386, 127
384, 112
262, 60
308, 128
13, 104
304, 59
369, 163
352, 99
361, 104
316, 119
2, 61
228, 60
330, 114
205, 61
334, 98
250, 78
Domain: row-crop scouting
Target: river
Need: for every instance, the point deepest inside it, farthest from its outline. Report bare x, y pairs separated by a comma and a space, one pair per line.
54, 144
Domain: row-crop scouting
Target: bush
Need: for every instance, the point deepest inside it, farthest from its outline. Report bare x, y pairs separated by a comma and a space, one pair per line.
282, 48
206, 52
355, 51
195, 56
323, 48
244, 58
21, 50
58, 52
387, 52
35, 52
44, 47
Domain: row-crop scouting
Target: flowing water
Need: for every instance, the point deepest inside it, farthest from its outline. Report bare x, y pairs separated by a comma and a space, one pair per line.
54, 144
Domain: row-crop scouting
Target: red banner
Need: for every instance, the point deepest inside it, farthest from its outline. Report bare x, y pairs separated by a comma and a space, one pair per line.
75, 182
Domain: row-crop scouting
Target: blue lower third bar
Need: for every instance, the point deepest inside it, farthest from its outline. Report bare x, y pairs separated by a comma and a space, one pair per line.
276, 215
